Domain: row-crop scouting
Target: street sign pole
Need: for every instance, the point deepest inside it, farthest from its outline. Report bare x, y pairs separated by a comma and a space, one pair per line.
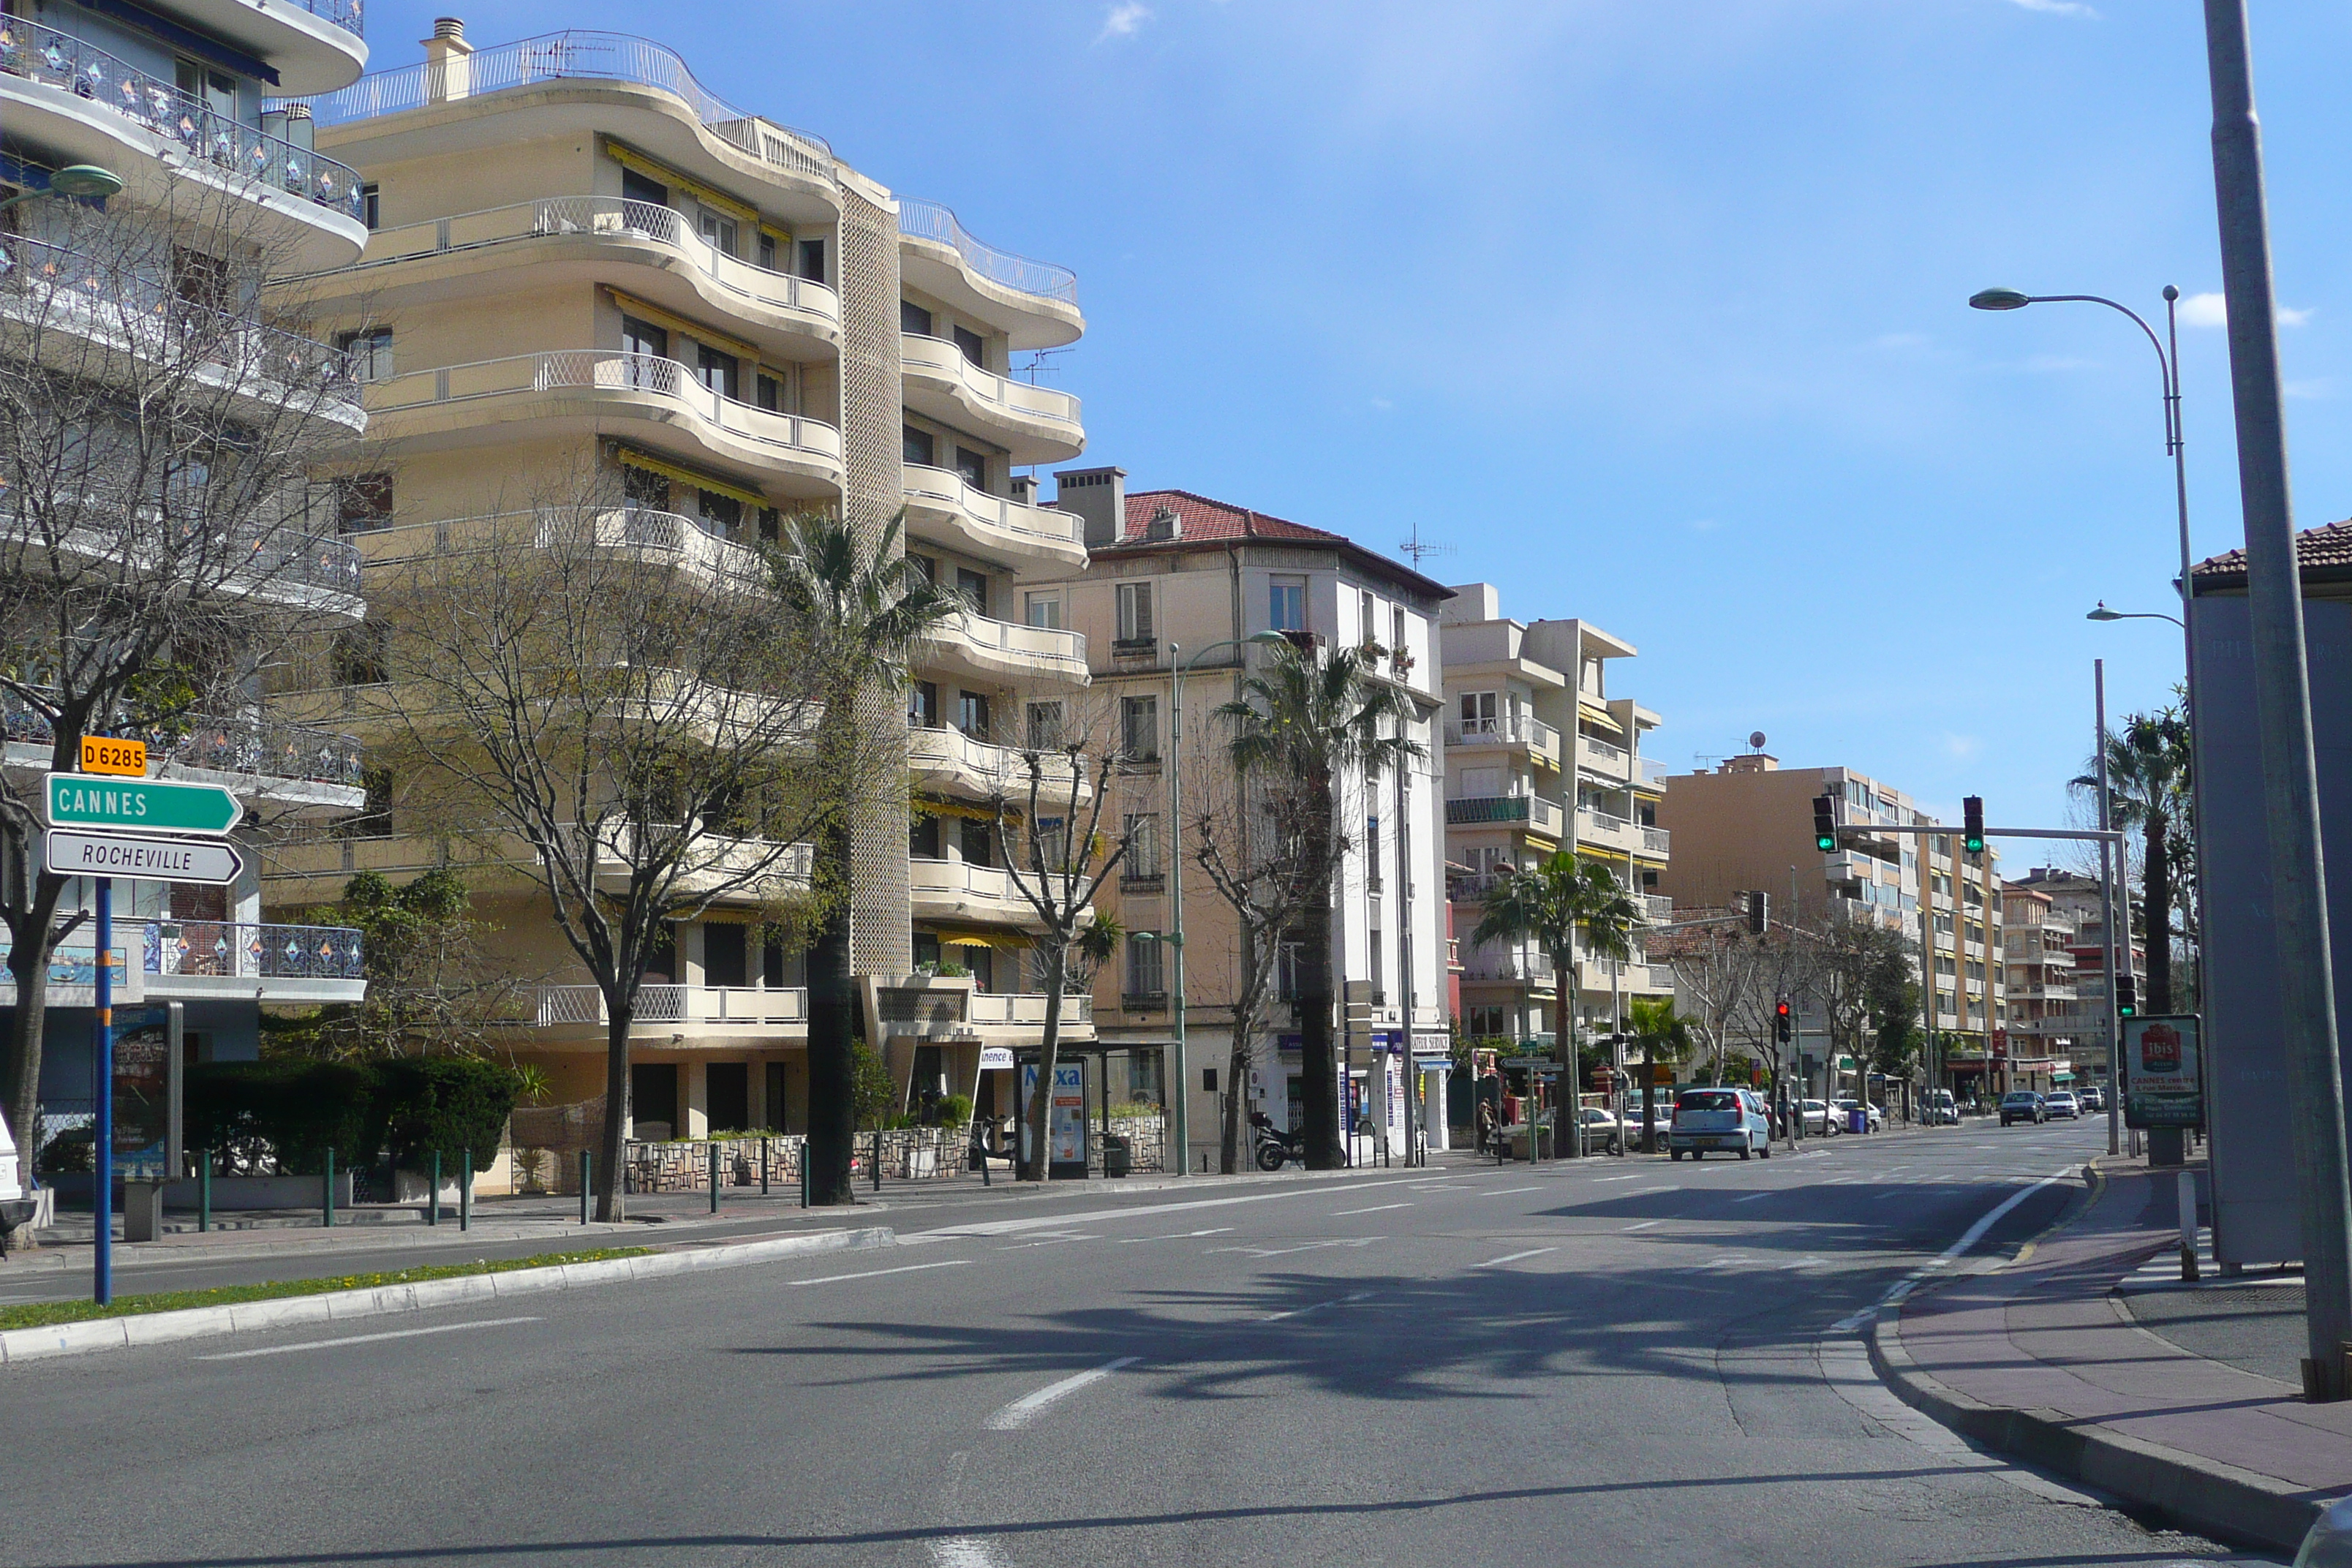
103, 1191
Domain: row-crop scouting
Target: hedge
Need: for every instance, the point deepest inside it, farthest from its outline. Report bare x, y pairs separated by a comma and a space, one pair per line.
413, 1108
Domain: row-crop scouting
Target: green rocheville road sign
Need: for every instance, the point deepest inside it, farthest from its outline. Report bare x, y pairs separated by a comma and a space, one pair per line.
153, 806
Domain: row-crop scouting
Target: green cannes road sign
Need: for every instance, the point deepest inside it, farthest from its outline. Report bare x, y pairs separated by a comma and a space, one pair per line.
149, 805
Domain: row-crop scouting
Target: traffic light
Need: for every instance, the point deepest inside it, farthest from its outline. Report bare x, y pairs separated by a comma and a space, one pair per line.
1760, 914
1972, 821
1782, 1020
1825, 825
2127, 996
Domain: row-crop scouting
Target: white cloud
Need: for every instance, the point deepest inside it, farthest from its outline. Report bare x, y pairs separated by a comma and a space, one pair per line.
1960, 748
1124, 20
2056, 7
1704, 525
1383, 403
2214, 310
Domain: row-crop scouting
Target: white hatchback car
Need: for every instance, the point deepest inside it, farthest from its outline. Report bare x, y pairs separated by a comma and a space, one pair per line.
1723, 1119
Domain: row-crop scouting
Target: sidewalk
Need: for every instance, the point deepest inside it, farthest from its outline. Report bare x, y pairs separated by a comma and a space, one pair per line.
2076, 1358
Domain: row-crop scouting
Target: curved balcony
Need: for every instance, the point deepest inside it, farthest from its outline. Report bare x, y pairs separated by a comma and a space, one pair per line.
991, 650
1526, 813
71, 303
587, 239
943, 508
959, 891
704, 1014
277, 563
590, 390
1526, 733
799, 163
1035, 302
314, 46
1037, 422
686, 543
950, 762
83, 105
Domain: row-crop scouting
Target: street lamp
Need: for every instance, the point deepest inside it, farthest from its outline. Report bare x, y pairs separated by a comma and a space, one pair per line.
1179, 1097
75, 180
2105, 613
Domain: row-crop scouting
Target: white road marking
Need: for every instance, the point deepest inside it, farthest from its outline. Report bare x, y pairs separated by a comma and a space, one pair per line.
1753, 1196
1179, 1236
1514, 1257
1302, 1246
1376, 1208
369, 1339
965, 1551
1091, 1216
1018, 1413
1049, 1241
1507, 1192
1917, 1276
1302, 1311
877, 1273
1635, 1177
1644, 1224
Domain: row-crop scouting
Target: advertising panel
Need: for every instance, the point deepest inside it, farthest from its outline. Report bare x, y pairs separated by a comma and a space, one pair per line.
2163, 1085
1066, 1153
142, 1096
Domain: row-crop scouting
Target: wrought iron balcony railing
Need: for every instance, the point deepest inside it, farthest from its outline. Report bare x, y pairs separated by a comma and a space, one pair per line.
239, 950
252, 747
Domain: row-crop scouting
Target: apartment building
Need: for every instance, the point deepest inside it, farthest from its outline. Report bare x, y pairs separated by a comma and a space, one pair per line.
1539, 756
1173, 576
582, 261
1749, 825
150, 299
2072, 1026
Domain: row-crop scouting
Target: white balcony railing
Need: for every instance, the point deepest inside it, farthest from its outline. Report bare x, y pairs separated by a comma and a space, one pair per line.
930, 220
611, 217
1536, 815
1524, 968
992, 767
1016, 400
942, 490
1524, 730
552, 1006
1028, 1007
1064, 651
1656, 907
1656, 840
1601, 756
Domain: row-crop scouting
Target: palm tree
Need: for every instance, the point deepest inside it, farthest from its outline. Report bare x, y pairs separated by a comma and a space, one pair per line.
1657, 1028
2148, 788
1548, 903
866, 610
1308, 726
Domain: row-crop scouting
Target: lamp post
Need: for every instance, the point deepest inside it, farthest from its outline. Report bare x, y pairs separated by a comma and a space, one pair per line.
1179, 1117
74, 181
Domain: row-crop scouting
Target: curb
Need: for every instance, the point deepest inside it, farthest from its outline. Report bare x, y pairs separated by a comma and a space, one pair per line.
2189, 1491
337, 1306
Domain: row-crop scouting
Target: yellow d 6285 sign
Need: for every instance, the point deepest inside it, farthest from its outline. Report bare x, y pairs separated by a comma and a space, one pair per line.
101, 755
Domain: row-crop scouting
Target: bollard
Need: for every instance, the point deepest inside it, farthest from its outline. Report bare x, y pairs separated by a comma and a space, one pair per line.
204, 1191
433, 1192
466, 1190
763, 1167
326, 1206
586, 1166
804, 1174
2185, 1195
877, 1159
714, 1178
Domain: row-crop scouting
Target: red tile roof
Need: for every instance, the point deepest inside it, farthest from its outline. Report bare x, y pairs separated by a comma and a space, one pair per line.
1206, 518
2320, 551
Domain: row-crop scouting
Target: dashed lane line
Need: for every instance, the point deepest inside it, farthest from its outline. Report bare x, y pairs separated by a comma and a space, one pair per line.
1514, 1257
1023, 1410
369, 1339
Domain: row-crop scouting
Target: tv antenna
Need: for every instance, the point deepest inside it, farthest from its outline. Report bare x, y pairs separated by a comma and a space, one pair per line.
1421, 549
1041, 359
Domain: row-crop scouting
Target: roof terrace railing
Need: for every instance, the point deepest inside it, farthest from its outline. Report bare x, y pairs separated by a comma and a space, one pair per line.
934, 222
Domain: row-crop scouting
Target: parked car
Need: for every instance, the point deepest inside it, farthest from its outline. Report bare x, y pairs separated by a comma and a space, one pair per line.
2062, 1103
1939, 1109
15, 1204
1601, 1130
2023, 1105
2094, 1099
1720, 1120
1818, 1122
1876, 1121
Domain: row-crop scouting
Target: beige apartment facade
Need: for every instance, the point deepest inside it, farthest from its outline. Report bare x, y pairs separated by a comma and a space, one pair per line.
1748, 826
584, 267
1541, 756
1173, 576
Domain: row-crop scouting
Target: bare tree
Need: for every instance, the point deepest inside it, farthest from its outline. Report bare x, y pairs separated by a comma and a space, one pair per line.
1054, 811
637, 733
1714, 974
160, 537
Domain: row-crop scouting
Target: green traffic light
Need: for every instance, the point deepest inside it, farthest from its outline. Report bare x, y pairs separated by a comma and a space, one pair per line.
1974, 845
1825, 842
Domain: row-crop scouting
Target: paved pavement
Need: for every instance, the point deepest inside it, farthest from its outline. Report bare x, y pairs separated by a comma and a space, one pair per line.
1621, 1362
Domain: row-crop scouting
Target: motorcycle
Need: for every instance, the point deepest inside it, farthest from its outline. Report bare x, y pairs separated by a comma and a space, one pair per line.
1277, 1147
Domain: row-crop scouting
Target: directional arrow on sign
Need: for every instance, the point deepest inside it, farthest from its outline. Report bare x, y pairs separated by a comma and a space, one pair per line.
71, 852
139, 806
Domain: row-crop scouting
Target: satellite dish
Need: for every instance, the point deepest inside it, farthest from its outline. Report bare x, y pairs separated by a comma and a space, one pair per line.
1755, 739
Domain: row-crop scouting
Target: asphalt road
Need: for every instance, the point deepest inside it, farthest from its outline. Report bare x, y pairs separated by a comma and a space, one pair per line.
1621, 1362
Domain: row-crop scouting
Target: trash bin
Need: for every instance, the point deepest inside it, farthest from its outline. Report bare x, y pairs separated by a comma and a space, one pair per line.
1117, 1157
1857, 1120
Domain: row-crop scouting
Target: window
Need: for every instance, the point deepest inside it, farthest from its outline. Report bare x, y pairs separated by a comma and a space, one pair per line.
1478, 714
1139, 728
1377, 943
1052, 838
917, 446
924, 566
643, 488
1142, 848
923, 837
979, 842
1400, 654
1288, 959
973, 585
1372, 853
1144, 964
1135, 612
767, 253
812, 260
217, 90
923, 704
770, 393
1487, 1023
637, 187
1207, 1081
200, 278
1042, 609
1368, 617
371, 207
362, 654
370, 352
1286, 605
362, 501
1044, 733
717, 371
973, 346
913, 318
973, 466
718, 231
722, 514
971, 713
643, 341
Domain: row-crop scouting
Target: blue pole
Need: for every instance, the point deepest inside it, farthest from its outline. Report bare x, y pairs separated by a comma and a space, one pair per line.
102, 1192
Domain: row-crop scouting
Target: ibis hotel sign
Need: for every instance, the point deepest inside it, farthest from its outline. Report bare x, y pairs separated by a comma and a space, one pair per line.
139, 806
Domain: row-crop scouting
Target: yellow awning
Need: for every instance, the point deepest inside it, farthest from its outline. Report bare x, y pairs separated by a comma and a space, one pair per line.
1594, 714
647, 311
629, 158
928, 807
630, 457
1002, 940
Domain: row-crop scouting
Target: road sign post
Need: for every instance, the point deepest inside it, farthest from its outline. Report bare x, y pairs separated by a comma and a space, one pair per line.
139, 806
142, 858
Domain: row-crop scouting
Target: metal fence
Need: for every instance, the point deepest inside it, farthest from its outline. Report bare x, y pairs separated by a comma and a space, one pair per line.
938, 224
252, 747
252, 952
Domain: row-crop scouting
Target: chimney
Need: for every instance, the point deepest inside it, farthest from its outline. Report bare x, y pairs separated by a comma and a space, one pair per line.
1165, 524
1099, 497
1750, 762
448, 65
1024, 490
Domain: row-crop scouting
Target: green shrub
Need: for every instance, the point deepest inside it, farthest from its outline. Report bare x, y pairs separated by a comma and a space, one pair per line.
73, 1152
298, 1109
953, 1111
443, 1105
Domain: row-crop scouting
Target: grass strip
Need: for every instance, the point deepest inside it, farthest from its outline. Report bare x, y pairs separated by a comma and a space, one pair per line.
41, 1315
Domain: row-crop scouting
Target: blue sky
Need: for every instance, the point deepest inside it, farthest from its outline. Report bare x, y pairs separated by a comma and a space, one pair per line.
1654, 313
